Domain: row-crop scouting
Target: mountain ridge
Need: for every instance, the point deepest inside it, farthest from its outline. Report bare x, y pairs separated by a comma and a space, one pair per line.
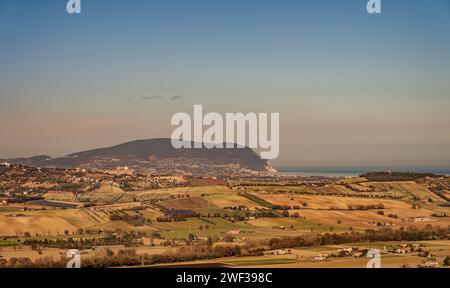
157, 156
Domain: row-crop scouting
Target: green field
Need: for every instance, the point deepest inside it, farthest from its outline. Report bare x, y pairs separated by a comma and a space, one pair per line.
181, 230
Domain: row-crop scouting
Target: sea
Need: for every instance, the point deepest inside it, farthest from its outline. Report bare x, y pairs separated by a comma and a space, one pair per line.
354, 173
323, 174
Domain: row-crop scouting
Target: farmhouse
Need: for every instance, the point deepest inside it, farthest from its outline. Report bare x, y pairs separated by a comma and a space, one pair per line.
429, 264
321, 256
358, 254
234, 232
280, 252
401, 251
349, 250
418, 219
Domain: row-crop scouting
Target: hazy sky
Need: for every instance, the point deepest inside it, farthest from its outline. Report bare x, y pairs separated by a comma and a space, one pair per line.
352, 89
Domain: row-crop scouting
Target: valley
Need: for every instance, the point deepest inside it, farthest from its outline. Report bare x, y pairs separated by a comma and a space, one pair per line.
45, 211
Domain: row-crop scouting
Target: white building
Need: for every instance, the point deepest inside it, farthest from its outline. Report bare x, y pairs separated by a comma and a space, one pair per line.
418, 219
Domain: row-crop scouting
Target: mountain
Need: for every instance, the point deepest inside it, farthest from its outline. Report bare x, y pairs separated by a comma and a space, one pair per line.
157, 156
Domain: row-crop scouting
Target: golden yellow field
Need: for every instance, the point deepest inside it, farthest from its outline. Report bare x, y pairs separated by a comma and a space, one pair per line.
328, 202
42, 223
232, 200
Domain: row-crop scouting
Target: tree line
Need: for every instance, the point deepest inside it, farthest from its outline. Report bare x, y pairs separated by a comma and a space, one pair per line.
207, 251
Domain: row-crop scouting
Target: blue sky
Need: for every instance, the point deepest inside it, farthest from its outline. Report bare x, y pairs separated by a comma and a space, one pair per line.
352, 89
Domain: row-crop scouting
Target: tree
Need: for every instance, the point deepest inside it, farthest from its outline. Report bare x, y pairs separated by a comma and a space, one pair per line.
228, 238
447, 261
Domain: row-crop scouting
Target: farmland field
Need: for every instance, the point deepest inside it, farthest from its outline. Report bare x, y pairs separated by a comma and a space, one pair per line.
235, 215
187, 203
